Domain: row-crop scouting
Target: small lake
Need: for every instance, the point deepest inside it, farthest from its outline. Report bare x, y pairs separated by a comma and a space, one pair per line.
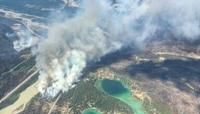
113, 87
119, 90
91, 111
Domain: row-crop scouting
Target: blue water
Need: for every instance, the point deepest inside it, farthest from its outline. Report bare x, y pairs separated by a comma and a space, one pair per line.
113, 87
118, 90
91, 111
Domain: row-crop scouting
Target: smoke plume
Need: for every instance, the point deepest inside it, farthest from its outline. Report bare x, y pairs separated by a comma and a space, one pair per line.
23, 29
103, 26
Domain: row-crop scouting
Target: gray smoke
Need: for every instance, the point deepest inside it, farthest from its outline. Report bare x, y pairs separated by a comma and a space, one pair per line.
101, 27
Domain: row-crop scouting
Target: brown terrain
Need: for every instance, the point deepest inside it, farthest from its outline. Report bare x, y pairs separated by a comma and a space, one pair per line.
168, 73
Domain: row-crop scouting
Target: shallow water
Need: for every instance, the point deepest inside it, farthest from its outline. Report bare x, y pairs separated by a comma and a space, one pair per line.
91, 111
118, 90
113, 87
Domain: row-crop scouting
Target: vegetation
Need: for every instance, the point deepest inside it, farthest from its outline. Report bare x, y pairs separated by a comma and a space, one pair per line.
86, 95
16, 95
12, 78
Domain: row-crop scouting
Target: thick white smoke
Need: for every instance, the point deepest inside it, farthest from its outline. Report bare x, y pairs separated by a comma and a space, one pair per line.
103, 26
63, 55
70, 3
